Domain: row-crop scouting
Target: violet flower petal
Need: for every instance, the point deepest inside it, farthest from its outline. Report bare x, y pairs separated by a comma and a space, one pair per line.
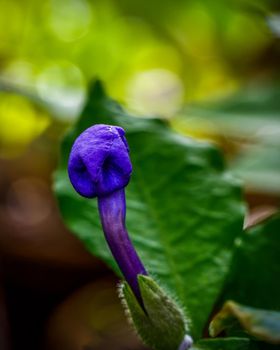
99, 162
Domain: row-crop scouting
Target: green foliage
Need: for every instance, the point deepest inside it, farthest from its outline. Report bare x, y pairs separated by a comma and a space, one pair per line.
184, 210
254, 278
224, 344
251, 114
259, 167
262, 324
244, 113
253, 281
163, 327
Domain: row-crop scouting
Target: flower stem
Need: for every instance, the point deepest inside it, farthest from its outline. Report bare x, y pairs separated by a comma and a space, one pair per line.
112, 210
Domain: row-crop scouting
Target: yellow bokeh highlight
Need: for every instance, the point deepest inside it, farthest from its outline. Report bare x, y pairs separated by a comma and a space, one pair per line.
20, 124
198, 128
214, 83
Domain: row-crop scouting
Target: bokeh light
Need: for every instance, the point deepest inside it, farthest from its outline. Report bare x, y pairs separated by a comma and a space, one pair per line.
155, 92
69, 20
20, 123
62, 87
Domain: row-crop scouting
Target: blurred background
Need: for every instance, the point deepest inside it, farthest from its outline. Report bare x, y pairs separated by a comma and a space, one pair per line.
211, 69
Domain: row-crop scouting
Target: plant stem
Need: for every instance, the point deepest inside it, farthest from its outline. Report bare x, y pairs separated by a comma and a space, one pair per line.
112, 210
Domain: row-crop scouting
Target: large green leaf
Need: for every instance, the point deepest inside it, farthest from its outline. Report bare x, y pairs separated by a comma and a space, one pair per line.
184, 210
254, 278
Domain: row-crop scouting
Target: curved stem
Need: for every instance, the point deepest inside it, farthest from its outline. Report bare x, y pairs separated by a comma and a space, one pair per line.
112, 210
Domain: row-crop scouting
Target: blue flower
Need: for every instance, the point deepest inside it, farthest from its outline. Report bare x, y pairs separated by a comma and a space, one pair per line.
99, 166
99, 162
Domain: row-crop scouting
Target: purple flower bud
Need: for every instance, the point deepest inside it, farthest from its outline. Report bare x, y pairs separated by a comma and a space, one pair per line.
99, 162
99, 166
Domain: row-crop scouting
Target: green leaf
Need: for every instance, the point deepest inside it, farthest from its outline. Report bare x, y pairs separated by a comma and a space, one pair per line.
259, 167
262, 324
184, 210
163, 327
245, 114
224, 344
254, 278
251, 114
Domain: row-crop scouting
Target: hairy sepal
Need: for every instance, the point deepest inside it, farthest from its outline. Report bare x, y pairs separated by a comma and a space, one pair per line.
161, 324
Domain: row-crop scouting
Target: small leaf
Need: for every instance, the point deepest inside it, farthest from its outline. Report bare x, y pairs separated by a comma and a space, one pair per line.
263, 324
162, 326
